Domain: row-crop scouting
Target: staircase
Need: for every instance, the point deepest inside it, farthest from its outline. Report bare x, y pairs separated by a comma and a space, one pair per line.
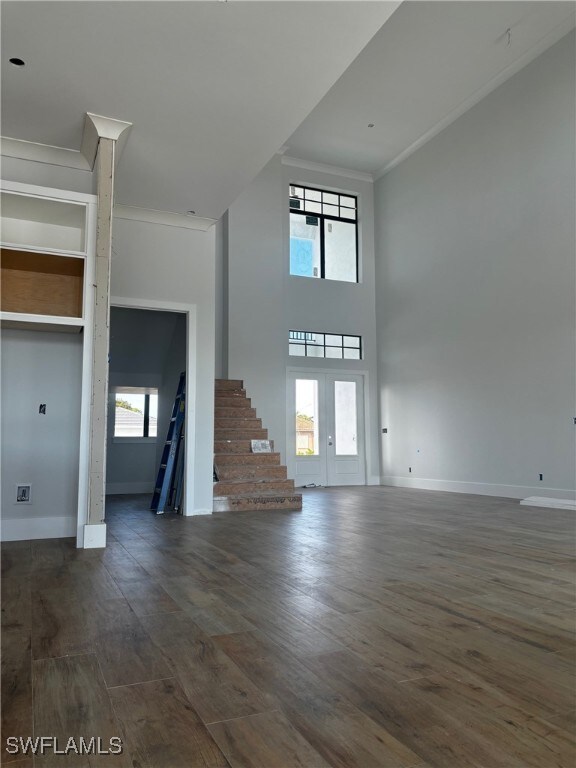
246, 480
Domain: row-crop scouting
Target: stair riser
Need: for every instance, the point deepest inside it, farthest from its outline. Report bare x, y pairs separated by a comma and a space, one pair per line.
233, 488
221, 433
237, 423
250, 473
232, 402
229, 384
232, 413
225, 459
241, 447
257, 503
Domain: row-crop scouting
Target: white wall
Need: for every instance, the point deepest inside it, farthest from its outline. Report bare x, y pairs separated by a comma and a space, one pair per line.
475, 285
169, 268
40, 367
265, 302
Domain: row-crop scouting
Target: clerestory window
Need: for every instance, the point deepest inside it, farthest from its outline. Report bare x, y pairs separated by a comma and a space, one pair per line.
323, 234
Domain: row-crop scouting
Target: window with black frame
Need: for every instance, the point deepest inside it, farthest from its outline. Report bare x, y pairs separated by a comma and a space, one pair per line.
323, 234
335, 346
135, 413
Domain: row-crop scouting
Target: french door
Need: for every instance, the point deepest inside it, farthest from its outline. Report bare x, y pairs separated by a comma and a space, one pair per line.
325, 435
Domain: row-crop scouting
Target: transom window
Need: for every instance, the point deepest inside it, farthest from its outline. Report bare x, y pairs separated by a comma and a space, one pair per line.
333, 346
135, 412
323, 234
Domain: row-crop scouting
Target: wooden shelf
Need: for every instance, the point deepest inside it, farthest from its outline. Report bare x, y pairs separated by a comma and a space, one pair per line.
41, 284
26, 322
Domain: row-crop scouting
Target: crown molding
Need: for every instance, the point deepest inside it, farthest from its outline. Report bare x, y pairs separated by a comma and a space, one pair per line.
532, 53
166, 218
96, 127
44, 153
308, 165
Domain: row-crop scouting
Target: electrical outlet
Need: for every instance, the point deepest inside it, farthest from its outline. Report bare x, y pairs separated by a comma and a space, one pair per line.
23, 493
409, 469
541, 476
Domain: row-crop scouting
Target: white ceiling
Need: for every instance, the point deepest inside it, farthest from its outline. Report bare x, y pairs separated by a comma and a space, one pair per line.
428, 64
213, 89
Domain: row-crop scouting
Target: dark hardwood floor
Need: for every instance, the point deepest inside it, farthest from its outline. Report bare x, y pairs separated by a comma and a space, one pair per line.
377, 628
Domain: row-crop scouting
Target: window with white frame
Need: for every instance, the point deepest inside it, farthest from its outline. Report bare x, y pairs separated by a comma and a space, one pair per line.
323, 234
334, 346
135, 412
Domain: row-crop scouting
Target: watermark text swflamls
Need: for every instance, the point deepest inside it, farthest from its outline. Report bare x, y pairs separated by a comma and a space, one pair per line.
43, 745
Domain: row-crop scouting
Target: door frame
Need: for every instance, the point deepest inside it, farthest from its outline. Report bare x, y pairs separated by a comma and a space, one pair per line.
189, 310
311, 371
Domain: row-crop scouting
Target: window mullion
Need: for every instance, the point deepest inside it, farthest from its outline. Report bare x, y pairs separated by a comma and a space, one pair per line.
146, 414
322, 247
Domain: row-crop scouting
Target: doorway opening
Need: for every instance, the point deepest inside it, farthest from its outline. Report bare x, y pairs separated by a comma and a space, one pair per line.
147, 356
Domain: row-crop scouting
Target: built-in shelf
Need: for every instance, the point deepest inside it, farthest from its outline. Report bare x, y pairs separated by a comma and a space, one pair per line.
47, 260
25, 322
30, 222
41, 284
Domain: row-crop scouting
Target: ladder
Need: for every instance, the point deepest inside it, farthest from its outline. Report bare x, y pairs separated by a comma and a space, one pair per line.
170, 451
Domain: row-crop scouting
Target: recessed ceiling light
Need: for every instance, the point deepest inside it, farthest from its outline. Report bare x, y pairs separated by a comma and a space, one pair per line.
17, 62
370, 125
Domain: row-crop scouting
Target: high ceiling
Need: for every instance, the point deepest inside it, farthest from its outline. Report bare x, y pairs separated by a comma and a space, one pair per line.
214, 89
427, 65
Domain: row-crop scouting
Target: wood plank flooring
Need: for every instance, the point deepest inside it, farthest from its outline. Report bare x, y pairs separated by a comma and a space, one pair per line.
376, 628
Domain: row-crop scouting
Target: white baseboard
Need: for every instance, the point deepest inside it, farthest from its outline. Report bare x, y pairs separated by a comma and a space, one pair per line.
482, 489
26, 528
542, 501
128, 488
197, 512
95, 536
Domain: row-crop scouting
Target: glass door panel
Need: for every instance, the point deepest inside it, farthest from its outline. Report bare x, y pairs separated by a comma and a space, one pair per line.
345, 418
307, 417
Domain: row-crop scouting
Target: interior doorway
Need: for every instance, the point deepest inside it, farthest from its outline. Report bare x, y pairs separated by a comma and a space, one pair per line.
325, 431
147, 356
